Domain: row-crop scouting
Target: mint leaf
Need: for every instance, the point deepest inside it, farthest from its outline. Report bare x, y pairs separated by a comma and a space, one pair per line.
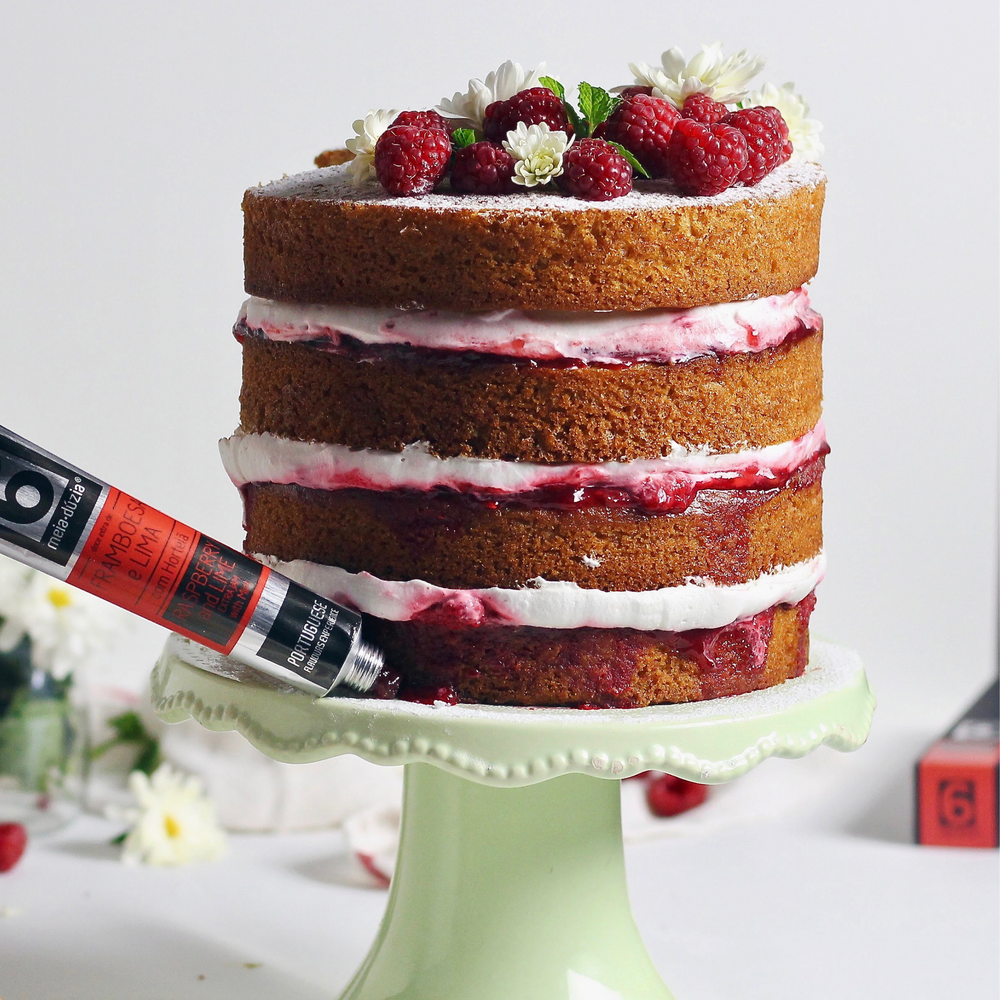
462, 137
554, 85
586, 100
636, 166
580, 126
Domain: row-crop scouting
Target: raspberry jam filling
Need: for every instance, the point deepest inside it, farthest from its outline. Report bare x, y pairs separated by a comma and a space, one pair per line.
444, 507
602, 666
673, 496
346, 346
662, 336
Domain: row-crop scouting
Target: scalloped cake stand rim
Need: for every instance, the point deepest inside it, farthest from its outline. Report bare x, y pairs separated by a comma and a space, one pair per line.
710, 741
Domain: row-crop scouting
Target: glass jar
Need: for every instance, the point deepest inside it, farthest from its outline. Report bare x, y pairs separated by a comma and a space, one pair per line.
44, 753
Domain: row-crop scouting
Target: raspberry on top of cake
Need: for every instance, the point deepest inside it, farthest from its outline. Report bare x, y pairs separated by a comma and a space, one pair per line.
535, 385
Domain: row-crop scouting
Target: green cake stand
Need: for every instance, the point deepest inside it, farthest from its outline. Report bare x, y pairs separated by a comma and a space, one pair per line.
510, 879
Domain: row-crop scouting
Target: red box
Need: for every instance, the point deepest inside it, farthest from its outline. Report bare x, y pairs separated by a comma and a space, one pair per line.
957, 781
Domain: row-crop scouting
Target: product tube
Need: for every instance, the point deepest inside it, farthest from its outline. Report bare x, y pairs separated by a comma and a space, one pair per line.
69, 525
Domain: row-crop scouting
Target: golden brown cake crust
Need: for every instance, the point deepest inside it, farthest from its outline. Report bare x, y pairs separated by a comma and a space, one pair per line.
601, 668
728, 537
314, 238
532, 413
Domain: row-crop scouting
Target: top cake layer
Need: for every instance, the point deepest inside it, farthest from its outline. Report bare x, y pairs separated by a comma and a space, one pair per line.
316, 238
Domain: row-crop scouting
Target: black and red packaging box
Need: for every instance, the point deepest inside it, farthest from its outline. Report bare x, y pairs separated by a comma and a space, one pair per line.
957, 780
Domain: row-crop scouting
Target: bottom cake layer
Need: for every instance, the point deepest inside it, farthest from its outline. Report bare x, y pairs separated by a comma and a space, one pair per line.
591, 667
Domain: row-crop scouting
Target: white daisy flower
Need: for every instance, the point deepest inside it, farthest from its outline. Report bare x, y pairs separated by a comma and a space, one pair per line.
723, 78
362, 144
803, 131
538, 153
174, 822
68, 628
500, 85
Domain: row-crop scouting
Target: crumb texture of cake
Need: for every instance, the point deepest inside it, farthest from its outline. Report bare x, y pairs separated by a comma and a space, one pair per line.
492, 407
318, 238
599, 668
452, 540
556, 451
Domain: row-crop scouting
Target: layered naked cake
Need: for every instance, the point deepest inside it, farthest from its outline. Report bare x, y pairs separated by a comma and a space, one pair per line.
557, 451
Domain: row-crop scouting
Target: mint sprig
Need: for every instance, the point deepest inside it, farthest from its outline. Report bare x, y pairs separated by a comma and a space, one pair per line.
554, 85
462, 137
636, 166
596, 104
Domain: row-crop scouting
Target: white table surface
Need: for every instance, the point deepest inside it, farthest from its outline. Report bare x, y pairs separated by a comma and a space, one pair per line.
825, 901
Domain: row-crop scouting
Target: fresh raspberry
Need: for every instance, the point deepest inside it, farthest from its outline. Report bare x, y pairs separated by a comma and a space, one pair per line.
703, 109
764, 142
411, 160
669, 796
595, 170
533, 106
632, 91
482, 168
706, 159
423, 119
779, 120
643, 125
13, 840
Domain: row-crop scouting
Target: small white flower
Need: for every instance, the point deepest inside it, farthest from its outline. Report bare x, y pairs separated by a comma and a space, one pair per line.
723, 78
174, 823
68, 628
362, 143
538, 153
803, 131
500, 85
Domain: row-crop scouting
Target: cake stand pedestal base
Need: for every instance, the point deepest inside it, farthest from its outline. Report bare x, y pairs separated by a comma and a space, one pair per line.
510, 880
504, 893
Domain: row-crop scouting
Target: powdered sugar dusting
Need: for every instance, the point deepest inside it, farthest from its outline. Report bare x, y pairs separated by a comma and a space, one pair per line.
335, 184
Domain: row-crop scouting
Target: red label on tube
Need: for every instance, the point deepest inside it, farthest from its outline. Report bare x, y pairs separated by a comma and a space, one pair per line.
148, 563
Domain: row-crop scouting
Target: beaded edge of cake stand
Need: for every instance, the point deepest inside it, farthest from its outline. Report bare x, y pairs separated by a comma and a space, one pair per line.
830, 704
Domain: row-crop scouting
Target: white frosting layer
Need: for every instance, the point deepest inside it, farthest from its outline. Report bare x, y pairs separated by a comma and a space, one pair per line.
552, 604
265, 458
662, 335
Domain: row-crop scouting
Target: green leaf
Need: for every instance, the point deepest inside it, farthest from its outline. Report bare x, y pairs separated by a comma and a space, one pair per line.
463, 137
636, 166
129, 726
120, 839
596, 104
149, 758
580, 126
130, 729
554, 85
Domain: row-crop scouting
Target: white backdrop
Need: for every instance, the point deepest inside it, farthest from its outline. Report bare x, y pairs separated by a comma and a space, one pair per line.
129, 131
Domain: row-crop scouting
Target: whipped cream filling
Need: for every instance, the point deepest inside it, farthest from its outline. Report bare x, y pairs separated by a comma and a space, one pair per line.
266, 458
697, 603
659, 335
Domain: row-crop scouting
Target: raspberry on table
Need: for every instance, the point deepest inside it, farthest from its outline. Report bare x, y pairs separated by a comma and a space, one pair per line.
706, 159
668, 795
533, 107
595, 170
703, 109
423, 119
764, 142
13, 840
643, 125
411, 160
482, 168
779, 120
